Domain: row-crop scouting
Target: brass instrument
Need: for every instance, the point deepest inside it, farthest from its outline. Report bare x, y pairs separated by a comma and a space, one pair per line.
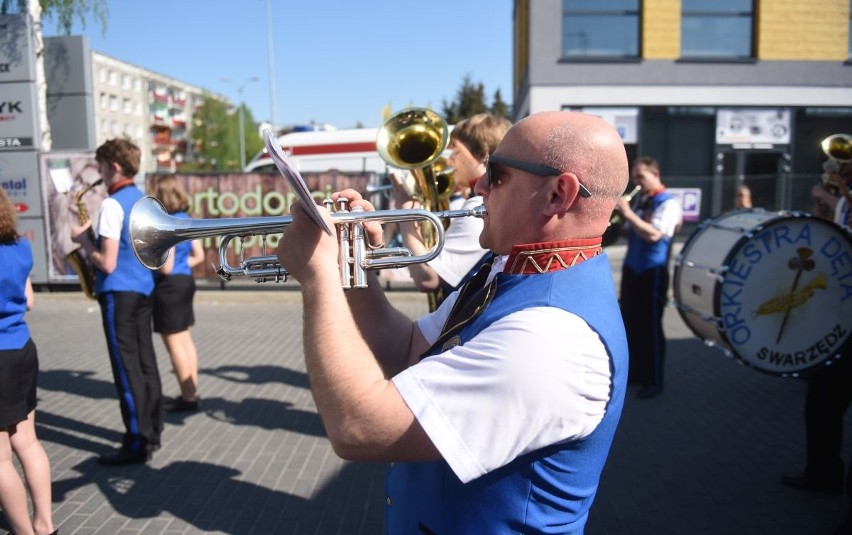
414, 139
153, 233
838, 148
616, 221
76, 258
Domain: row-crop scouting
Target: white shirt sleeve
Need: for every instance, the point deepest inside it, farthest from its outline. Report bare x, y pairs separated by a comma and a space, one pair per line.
534, 378
110, 219
667, 217
841, 211
461, 246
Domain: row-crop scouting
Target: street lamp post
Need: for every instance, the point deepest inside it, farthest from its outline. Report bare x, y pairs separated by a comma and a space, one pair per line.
242, 125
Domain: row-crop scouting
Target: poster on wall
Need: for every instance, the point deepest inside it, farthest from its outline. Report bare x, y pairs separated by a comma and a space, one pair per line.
753, 126
70, 197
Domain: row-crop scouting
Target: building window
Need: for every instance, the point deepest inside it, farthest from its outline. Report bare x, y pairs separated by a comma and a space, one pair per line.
716, 30
113, 103
595, 29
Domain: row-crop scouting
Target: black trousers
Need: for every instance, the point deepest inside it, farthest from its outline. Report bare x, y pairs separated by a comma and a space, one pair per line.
828, 398
127, 326
643, 301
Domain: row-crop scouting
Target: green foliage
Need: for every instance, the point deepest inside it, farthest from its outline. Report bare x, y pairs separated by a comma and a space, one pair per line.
65, 11
471, 100
215, 133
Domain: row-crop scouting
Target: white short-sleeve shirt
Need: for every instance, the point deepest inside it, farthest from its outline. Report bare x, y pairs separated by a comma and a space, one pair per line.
110, 219
667, 217
534, 378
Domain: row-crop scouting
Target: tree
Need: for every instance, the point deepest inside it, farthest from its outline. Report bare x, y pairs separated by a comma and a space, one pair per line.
66, 11
470, 100
213, 133
215, 137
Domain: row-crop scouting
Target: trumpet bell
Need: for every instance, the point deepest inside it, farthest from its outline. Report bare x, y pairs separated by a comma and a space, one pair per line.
147, 228
412, 138
838, 147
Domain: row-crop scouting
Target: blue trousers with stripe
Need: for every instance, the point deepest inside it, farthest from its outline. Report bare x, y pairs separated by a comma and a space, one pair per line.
127, 326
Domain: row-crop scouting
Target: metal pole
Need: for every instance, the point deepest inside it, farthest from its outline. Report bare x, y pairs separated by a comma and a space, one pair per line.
271, 59
242, 136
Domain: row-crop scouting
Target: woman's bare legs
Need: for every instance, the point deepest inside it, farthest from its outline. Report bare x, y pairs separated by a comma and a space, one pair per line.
184, 358
21, 438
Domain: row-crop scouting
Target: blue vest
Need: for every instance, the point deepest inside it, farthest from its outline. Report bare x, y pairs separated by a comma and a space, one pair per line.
545, 491
181, 252
16, 260
129, 274
642, 255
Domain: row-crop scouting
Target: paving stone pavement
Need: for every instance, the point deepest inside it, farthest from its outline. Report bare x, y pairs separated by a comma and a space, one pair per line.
703, 458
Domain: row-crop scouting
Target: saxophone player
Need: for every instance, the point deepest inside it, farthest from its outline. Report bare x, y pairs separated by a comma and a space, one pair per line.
124, 288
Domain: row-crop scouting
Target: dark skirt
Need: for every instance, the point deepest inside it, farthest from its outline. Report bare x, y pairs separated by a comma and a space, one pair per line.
18, 376
173, 304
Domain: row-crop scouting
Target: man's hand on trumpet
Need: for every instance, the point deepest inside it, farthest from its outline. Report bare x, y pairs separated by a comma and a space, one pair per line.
308, 253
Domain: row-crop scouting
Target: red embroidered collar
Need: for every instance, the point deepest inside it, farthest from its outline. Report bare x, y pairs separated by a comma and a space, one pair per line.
533, 258
120, 184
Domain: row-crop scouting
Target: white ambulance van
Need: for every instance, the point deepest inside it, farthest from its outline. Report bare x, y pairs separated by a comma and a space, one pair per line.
346, 150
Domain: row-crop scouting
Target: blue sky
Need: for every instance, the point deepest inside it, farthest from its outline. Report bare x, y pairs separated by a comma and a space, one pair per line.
336, 61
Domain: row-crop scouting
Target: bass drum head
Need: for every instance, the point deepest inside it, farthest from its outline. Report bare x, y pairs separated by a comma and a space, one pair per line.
782, 297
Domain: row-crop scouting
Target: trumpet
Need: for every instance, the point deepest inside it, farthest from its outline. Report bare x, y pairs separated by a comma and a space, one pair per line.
153, 233
616, 221
838, 148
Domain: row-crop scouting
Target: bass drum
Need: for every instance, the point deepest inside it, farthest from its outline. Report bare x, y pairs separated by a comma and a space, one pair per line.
771, 289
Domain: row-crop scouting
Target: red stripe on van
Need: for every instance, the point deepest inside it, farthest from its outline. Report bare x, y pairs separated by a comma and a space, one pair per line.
332, 149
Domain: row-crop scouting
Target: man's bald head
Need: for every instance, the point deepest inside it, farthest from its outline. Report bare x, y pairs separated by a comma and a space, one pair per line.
581, 144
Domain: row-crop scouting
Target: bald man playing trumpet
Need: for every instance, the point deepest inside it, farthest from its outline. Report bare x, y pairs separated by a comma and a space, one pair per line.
497, 411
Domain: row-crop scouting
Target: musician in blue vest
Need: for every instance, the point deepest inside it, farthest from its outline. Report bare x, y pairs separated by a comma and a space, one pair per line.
497, 411
651, 223
124, 286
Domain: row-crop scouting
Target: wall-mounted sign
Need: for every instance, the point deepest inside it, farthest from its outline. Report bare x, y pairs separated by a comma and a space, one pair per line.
18, 117
20, 180
754, 126
624, 120
690, 202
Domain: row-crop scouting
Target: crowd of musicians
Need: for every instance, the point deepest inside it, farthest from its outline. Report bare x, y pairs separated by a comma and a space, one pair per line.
496, 411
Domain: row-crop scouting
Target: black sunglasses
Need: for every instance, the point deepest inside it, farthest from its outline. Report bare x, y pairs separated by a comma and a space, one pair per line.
534, 168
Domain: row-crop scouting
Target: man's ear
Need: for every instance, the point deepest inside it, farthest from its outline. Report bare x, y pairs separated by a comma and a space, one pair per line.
563, 192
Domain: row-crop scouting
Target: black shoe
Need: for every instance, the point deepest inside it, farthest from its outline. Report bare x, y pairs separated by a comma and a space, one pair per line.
649, 391
804, 482
179, 404
125, 456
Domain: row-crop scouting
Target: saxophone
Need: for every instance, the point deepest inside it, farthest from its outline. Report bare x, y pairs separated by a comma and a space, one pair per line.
79, 262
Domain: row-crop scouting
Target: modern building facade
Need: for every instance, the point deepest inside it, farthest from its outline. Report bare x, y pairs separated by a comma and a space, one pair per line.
112, 98
719, 92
